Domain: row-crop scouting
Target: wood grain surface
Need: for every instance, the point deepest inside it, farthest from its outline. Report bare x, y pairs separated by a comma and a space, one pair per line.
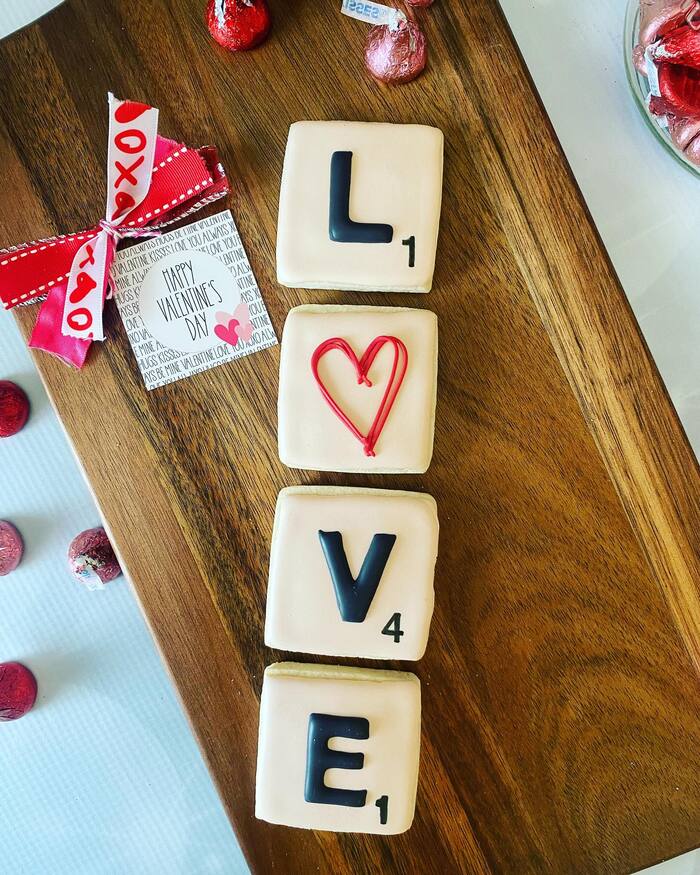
561, 707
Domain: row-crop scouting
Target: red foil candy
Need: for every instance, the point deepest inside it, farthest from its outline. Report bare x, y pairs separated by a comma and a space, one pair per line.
14, 408
419, 2
670, 31
92, 558
17, 690
11, 548
238, 25
680, 46
396, 55
680, 90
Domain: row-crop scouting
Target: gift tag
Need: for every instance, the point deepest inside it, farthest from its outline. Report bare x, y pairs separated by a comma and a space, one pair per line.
189, 301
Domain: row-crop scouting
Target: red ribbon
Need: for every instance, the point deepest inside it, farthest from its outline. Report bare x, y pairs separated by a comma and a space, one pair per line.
182, 181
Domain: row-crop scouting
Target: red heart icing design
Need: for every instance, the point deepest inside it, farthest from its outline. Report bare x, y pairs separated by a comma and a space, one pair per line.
362, 366
228, 333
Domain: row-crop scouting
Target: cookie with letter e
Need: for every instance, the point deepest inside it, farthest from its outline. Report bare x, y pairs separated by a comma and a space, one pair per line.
360, 206
358, 388
338, 748
351, 572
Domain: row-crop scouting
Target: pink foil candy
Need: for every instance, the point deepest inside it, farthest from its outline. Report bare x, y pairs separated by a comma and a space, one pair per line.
11, 548
395, 55
656, 17
92, 559
17, 691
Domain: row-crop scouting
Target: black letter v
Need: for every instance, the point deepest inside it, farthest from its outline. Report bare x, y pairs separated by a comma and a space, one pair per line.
355, 596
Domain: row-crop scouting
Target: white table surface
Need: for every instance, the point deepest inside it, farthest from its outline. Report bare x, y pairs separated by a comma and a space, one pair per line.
104, 776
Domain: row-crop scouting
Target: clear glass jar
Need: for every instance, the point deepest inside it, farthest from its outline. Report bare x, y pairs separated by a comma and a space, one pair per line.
640, 87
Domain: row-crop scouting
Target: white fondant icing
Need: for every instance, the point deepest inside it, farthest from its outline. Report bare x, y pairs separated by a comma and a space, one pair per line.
310, 434
302, 613
390, 701
396, 180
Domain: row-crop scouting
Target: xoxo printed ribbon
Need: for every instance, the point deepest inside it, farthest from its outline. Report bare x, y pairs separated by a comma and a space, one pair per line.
151, 182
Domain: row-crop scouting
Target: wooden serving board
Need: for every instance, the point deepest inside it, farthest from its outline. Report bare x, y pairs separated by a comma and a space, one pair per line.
561, 705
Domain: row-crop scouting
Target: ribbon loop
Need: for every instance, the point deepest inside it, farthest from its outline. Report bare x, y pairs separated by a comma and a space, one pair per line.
151, 182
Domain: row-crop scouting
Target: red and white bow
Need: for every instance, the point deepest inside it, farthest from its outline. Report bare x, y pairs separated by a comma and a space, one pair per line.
151, 182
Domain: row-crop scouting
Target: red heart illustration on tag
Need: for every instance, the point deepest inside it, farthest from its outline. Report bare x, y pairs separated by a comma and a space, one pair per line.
362, 367
228, 333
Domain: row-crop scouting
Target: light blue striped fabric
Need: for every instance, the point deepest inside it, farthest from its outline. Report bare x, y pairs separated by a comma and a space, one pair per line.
103, 777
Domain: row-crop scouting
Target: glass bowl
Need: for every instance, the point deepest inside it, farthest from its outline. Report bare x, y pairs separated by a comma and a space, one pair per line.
640, 88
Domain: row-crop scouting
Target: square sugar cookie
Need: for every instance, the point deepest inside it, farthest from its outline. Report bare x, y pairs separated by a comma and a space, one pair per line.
351, 572
338, 748
357, 389
360, 206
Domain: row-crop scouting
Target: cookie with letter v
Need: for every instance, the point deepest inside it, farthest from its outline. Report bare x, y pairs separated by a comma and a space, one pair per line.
357, 389
338, 748
351, 572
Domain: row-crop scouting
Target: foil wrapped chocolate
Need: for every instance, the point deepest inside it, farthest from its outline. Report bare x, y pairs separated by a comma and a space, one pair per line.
14, 408
238, 25
668, 54
11, 548
395, 54
18, 689
92, 560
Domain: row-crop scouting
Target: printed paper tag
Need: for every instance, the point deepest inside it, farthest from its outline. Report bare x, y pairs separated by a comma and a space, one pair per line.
372, 13
189, 301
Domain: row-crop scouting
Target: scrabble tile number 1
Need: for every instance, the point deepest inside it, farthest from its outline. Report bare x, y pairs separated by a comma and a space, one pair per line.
411, 243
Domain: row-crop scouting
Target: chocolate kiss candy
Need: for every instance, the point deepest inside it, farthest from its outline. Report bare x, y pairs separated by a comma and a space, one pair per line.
396, 55
680, 89
17, 691
681, 46
92, 560
11, 547
14, 408
238, 25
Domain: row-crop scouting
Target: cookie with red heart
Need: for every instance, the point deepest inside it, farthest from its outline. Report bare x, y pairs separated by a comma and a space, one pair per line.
357, 388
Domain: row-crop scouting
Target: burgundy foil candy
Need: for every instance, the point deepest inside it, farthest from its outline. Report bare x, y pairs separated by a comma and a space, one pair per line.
11, 548
14, 408
238, 25
92, 560
17, 691
396, 55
